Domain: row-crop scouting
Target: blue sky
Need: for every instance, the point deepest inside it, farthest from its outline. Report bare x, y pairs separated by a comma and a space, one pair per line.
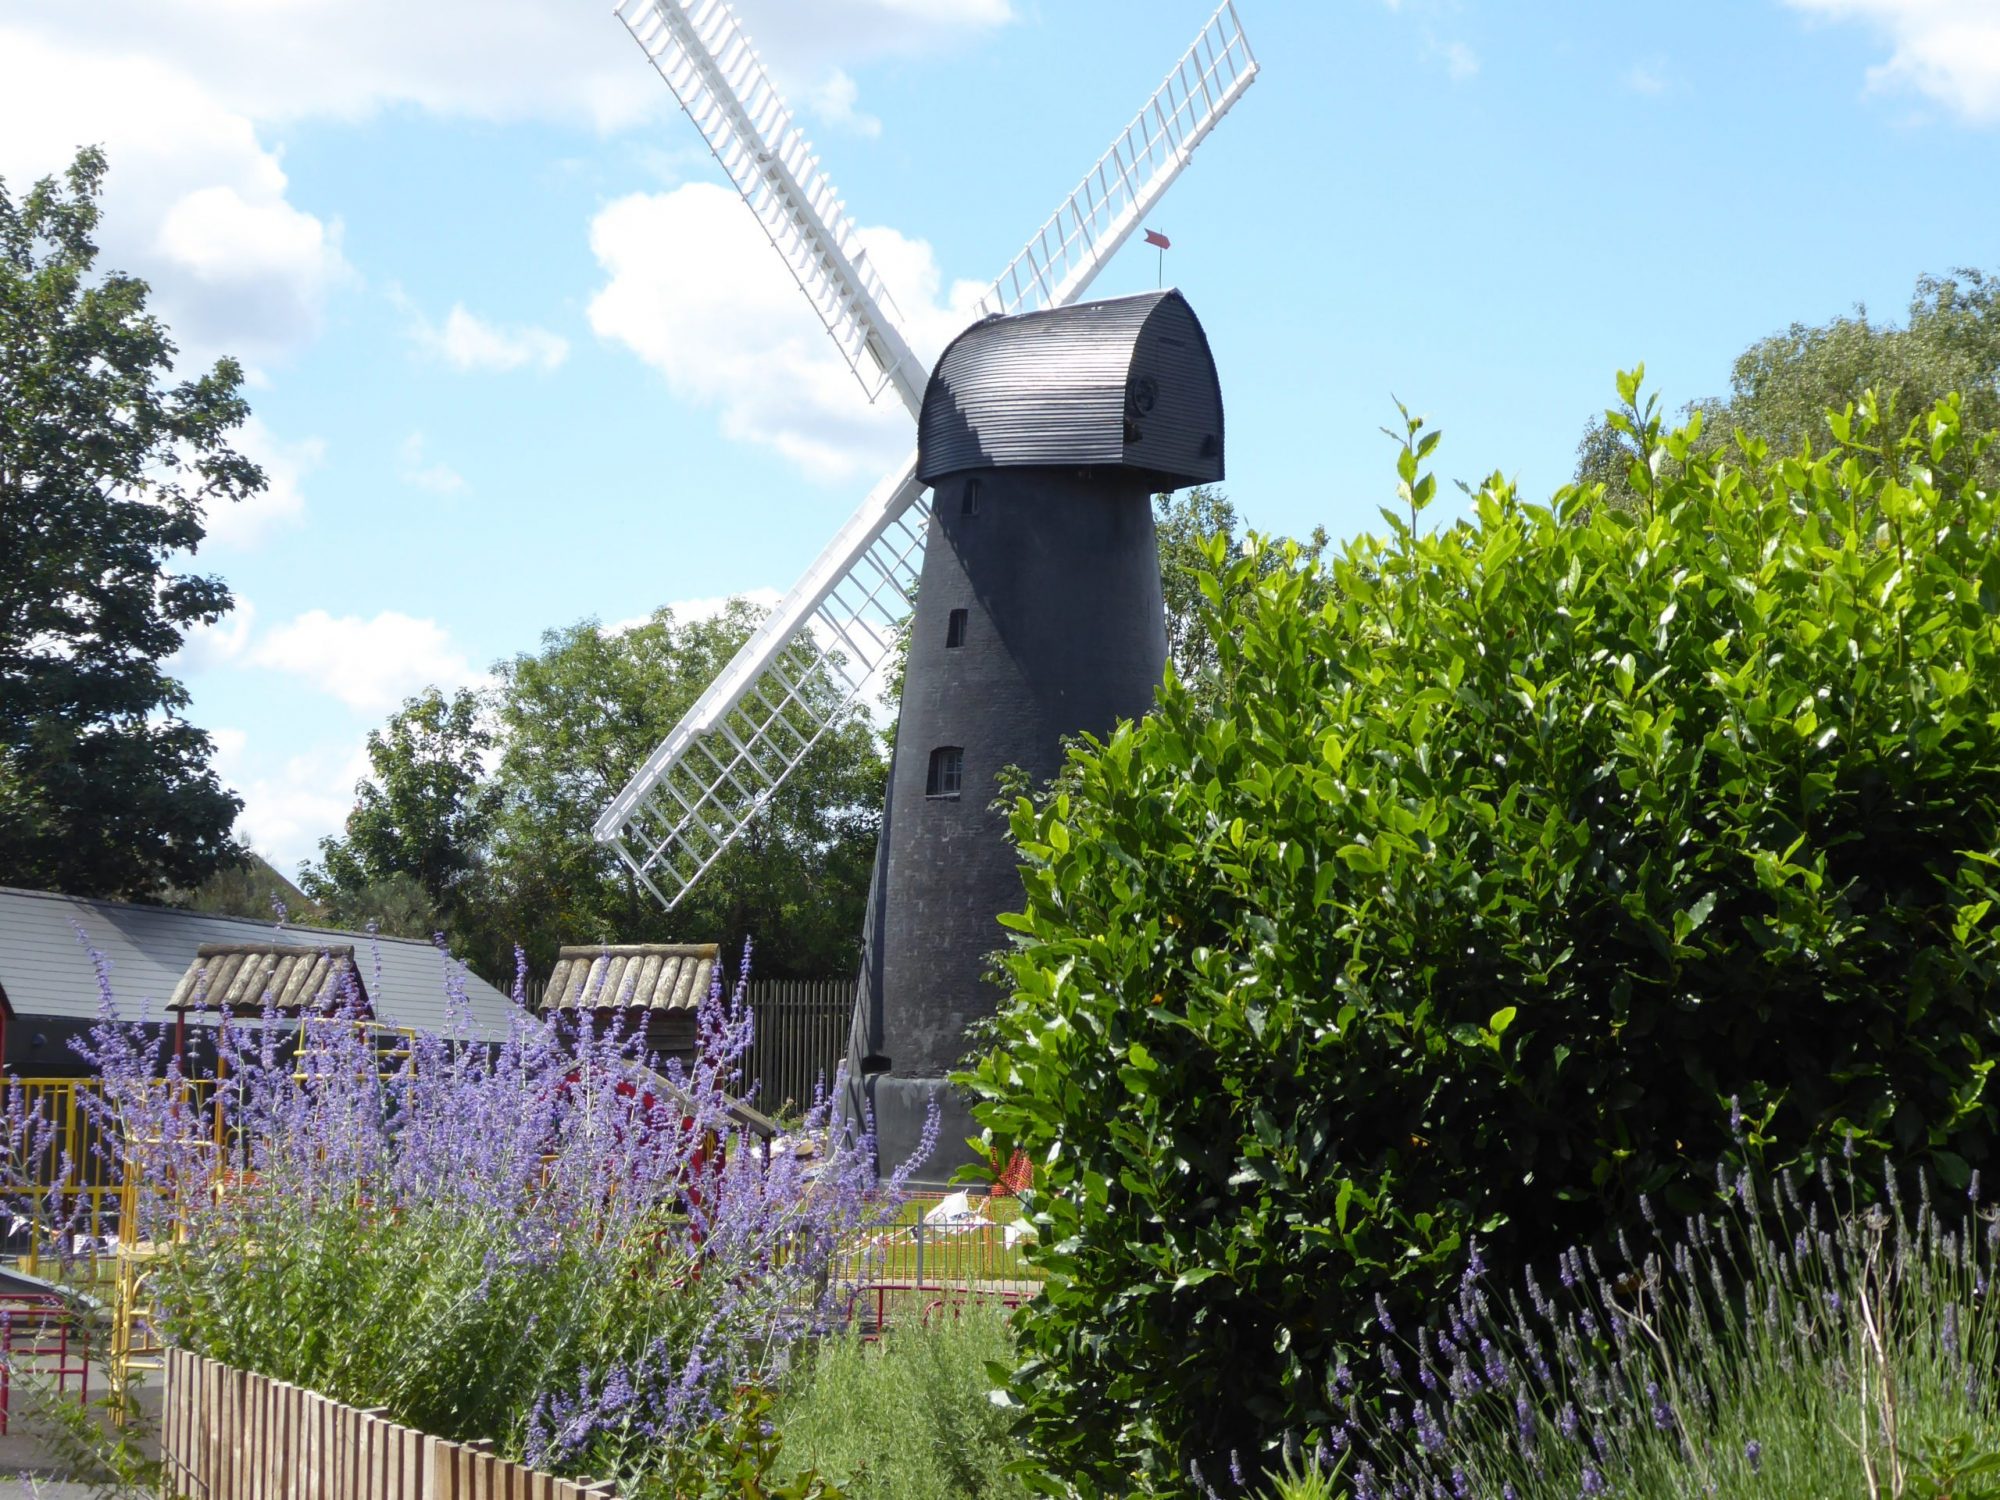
517, 359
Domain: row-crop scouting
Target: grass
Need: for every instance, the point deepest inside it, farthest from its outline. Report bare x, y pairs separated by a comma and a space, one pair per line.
908, 1418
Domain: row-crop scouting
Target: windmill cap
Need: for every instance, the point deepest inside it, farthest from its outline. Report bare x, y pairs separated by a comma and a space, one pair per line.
1125, 383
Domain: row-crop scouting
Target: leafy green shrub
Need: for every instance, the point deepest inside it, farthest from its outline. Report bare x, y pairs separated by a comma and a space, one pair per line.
1475, 901
911, 1418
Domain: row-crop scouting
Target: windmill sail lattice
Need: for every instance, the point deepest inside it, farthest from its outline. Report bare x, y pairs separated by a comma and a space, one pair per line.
1056, 266
715, 73
832, 635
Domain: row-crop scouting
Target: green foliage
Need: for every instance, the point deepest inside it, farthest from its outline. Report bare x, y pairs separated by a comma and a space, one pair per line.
396, 905
1183, 524
742, 1458
419, 818
438, 842
578, 719
911, 1418
1782, 387
400, 1311
251, 889
1300, 1478
1478, 895
105, 469
108, 1446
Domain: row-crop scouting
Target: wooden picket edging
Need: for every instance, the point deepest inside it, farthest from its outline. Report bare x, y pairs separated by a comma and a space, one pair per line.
227, 1434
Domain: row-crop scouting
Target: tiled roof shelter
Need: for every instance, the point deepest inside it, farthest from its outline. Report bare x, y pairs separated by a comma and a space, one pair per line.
237, 976
631, 976
654, 987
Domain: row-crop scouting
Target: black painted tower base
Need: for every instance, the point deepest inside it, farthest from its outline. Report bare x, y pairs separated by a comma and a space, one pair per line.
1062, 630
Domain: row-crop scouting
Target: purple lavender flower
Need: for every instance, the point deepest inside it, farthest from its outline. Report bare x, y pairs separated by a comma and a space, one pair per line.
554, 1147
1753, 1454
1663, 1414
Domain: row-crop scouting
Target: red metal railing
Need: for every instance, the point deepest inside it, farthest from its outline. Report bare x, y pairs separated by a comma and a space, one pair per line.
41, 1337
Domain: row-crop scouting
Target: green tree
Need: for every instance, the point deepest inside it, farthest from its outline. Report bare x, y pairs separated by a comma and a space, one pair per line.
421, 817
251, 889
1183, 523
397, 905
577, 719
1782, 387
106, 465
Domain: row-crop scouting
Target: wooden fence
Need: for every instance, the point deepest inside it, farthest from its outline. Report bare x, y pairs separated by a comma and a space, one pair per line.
801, 1039
227, 1434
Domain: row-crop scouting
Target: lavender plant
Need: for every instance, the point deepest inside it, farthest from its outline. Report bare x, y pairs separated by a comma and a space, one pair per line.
1786, 1343
550, 1241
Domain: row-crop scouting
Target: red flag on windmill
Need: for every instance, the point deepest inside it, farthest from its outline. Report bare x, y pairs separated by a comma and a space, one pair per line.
1154, 237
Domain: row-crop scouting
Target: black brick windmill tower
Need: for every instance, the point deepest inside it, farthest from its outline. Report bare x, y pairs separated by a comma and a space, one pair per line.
1045, 429
1043, 438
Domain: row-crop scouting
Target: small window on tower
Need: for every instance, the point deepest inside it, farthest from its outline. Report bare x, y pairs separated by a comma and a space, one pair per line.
968, 504
954, 629
947, 771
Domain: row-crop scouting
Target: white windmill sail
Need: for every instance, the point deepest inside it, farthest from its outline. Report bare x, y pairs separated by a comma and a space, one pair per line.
715, 73
1088, 227
832, 635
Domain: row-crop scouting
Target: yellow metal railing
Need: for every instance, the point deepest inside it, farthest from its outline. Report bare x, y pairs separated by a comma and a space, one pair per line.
89, 1185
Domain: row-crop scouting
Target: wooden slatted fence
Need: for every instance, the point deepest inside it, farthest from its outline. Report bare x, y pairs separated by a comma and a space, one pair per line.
801, 1039
227, 1434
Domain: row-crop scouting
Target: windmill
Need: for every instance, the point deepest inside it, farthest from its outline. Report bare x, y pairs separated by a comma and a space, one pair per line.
835, 631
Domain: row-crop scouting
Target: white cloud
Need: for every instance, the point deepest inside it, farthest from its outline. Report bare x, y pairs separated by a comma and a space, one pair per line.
209, 646
281, 502
1647, 77
693, 288
468, 342
1947, 50
832, 100
289, 806
195, 202
1460, 61
369, 664
438, 478
180, 92
485, 59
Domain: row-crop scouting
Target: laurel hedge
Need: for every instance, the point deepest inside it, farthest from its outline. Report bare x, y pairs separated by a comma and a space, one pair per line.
1562, 854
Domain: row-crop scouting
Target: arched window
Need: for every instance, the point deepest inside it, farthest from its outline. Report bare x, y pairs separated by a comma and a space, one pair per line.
954, 629
947, 771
